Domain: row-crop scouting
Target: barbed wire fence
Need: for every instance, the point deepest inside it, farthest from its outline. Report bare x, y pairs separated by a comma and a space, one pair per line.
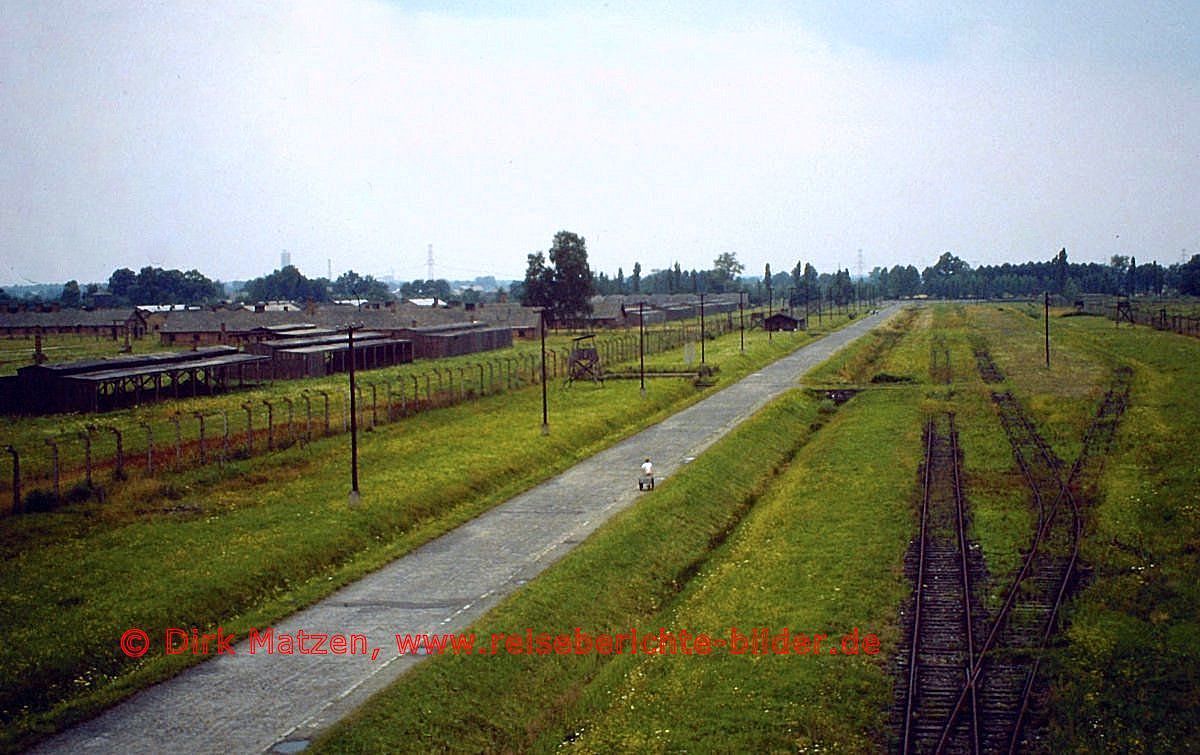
89, 455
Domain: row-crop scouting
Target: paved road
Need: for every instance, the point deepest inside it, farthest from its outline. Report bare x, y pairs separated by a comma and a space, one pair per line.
275, 702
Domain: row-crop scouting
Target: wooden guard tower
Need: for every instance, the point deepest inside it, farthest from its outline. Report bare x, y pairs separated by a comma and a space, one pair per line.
585, 360
1124, 311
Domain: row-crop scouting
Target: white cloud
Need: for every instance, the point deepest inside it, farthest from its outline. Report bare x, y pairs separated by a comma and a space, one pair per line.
214, 136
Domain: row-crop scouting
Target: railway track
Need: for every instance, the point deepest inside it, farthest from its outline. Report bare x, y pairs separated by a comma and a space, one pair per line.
946, 614
1006, 670
969, 682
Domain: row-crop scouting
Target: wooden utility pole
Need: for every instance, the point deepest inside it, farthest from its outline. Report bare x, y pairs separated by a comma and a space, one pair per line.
1047, 316
545, 406
353, 421
642, 344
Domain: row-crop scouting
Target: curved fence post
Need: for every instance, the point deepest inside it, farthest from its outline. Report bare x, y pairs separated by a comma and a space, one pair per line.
200, 418
54, 462
149, 448
249, 407
224, 435
291, 416
178, 441
391, 411
16, 479
325, 396
119, 472
361, 406
270, 425
87, 453
307, 416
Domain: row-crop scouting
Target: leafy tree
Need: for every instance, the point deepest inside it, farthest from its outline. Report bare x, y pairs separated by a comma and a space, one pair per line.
810, 283
635, 280
121, 282
1062, 271
154, 285
727, 268
288, 284
351, 285
947, 278
70, 294
538, 288
767, 283
572, 286
1189, 277
426, 289
905, 281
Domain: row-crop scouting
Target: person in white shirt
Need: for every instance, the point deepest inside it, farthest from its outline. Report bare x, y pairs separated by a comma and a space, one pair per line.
647, 481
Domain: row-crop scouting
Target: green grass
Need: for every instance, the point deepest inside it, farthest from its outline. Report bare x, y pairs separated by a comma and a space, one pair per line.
760, 530
250, 543
422, 383
1127, 677
628, 574
821, 553
665, 563
1123, 678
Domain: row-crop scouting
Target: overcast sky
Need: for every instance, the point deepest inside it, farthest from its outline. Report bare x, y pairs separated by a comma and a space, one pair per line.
215, 134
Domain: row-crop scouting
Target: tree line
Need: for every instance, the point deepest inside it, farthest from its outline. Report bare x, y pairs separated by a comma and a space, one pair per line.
564, 283
949, 277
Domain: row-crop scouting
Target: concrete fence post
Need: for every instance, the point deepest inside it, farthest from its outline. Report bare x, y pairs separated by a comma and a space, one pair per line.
17, 508
119, 472
249, 427
291, 434
270, 425
224, 436
86, 435
54, 462
307, 416
200, 418
325, 396
149, 448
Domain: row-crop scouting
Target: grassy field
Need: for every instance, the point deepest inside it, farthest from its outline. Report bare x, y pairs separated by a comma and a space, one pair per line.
813, 538
250, 421
1128, 678
754, 533
800, 519
251, 542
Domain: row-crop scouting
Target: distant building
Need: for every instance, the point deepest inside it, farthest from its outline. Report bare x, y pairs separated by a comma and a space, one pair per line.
785, 322
102, 323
